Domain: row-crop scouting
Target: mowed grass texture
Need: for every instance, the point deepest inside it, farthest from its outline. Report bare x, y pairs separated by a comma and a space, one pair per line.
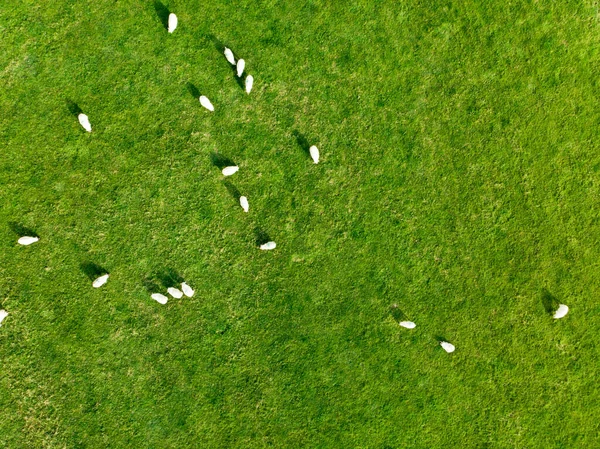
458, 179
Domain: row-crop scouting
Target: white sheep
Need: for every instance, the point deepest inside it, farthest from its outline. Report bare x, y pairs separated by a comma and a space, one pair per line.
241, 64
268, 246
229, 56
187, 290
448, 347
160, 298
561, 311
244, 203
85, 122
314, 153
408, 324
99, 282
3, 314
175, 292
228, 171
204, 101
26, 240
172, 22
249, 83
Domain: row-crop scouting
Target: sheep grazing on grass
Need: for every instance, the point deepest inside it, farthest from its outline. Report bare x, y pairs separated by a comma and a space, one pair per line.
3, 314
314, 154
172, 22
407, 324
206, 103
448, 347
175, 292
85, 122
241, 64
27, 240
187, 290
267, 246
228, 171
229, 56
160, 298
561, 311
99, 282
244, 203
249, 83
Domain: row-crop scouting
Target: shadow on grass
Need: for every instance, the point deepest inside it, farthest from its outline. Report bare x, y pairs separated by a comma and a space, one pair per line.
220, 161
261, 236
220, 47
193, 90
397, 314
73, 107
21, 230
92, 270
169, 278
161, 280
151, 285
240, 80
163, 13
233, 190
549, 302
302, 142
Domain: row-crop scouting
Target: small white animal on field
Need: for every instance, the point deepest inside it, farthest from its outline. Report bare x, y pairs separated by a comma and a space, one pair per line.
160, 298
314, 153
228, 171
249, 83
187, 290
561, 311
206, 103
175, 292
448, 347
85, 122
229, 56
27, 240
244, 203
100, 281
3, 314
408, 324
267, 246
241, 64
172, 22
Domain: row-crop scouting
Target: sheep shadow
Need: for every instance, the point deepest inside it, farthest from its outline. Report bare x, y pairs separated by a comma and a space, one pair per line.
193, 90
440, 338
233, 190
397, 314
73, 107
92, 270
161, 280
240, 80
261, 236
168, 278
549, 302
302, 142
21, 230
151, 285
220, 161
220, 47
163, 13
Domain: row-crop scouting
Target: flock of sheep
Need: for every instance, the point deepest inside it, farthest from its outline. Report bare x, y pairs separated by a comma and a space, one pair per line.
186, 290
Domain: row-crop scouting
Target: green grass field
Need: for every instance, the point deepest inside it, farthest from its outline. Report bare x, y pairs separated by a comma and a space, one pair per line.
459, 178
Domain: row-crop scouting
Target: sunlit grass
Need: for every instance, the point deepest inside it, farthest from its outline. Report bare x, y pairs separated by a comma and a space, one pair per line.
458, 178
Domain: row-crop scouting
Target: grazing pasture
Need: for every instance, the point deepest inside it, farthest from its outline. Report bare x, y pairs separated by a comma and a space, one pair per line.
456, 200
